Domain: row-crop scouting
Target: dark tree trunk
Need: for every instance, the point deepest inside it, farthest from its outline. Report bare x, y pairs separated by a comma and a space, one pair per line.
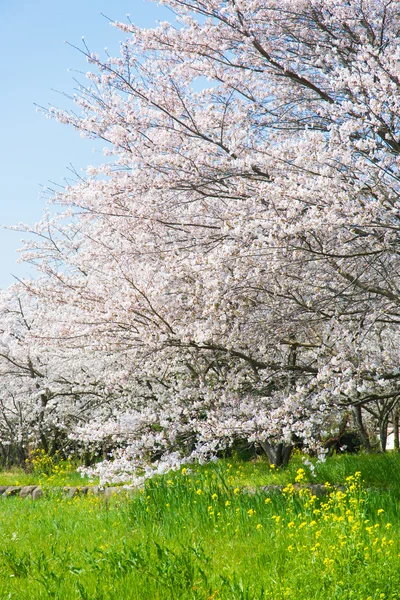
333, 443
278, 454
366, 444
396, 430
383, 427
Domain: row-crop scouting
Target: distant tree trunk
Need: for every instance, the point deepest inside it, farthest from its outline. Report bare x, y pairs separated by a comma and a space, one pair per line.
383, 427
366, 444
333, 443
278, 454
396, 430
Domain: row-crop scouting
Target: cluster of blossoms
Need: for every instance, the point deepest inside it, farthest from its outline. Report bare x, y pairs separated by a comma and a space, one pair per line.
232, 269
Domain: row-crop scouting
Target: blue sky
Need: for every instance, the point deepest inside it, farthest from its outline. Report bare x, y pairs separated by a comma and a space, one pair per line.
35, 62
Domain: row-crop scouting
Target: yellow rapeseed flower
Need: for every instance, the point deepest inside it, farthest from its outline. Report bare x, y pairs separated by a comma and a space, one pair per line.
328, 562
289, 489
276, 518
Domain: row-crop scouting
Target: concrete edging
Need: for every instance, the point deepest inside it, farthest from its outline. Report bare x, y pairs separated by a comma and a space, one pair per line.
36, 491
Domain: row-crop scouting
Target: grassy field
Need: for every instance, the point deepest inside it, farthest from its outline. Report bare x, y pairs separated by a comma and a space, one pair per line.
203, 534
44, 470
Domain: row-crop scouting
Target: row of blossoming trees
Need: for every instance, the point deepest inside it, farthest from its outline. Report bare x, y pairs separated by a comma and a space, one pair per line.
232, 270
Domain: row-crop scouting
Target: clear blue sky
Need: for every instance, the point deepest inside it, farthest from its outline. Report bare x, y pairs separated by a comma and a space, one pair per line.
35, 61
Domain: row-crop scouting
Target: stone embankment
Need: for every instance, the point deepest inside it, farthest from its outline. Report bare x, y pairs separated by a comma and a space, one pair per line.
36, 491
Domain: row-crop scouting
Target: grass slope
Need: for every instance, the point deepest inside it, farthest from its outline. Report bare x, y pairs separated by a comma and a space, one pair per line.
196, 535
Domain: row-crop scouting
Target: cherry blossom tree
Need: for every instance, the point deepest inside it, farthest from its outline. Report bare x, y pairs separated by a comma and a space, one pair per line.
237, 252
46, 390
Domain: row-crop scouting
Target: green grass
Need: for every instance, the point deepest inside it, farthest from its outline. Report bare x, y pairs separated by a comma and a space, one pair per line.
378, 470
45, 470
196, 535
17, 476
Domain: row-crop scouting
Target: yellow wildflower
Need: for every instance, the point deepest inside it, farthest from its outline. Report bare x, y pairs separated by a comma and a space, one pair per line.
300, 475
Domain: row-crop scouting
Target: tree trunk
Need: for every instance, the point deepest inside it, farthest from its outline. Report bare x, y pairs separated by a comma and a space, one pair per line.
396, 430
278, 454
383, 427
366, 444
